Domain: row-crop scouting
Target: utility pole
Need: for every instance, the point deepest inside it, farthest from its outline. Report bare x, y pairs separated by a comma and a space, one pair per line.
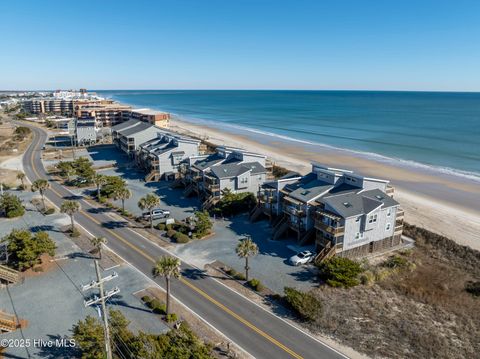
103, 296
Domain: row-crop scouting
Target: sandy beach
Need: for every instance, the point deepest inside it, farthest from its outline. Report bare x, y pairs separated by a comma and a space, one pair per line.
441, 203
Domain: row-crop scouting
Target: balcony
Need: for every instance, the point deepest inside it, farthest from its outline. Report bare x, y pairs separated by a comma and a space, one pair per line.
267, 198
296, 224
212, 187
334, 231
400, 213
294, 210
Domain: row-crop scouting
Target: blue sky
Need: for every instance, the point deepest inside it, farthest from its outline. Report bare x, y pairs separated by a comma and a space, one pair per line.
241, 44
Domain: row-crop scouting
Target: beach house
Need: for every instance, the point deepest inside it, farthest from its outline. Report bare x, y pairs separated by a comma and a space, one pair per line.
229, 168
342, 212
162, 156
129, 135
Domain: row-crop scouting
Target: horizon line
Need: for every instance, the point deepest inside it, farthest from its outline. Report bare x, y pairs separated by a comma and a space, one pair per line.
242, 89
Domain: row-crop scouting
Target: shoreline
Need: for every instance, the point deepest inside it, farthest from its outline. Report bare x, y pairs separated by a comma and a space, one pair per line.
443, 204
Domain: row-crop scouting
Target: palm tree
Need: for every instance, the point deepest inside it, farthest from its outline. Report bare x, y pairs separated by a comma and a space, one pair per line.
122, 193
167, 267
99, 180
97, 243
41, 185
246, 248
149, 202
21, 177
70, 207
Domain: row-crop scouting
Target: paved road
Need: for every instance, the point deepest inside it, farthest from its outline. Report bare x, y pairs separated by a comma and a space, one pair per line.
257, 331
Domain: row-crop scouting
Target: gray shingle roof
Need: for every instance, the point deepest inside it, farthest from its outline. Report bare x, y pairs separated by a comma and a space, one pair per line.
308, 191
229, 170
125, 125
139, 127
355, 204
208, 162
256, 167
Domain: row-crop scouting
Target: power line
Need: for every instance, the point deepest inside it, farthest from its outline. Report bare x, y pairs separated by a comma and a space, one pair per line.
101, 299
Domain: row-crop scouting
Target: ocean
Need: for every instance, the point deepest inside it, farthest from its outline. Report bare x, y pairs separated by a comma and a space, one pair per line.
434, 130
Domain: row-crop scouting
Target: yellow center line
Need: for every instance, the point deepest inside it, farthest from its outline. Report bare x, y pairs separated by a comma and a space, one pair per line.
184, 281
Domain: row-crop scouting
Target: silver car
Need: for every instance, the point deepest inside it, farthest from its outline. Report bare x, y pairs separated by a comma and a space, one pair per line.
157, 213
302, 258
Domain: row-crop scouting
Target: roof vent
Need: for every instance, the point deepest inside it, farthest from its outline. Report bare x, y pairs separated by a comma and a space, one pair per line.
347, 204
379, 197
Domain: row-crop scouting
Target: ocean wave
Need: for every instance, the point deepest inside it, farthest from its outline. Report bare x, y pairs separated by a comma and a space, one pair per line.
470, 175
475, 176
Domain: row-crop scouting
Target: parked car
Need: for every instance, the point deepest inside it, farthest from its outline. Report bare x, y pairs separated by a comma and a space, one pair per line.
302, 258
157, 213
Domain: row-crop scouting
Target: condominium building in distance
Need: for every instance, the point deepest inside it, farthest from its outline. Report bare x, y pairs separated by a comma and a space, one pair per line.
107, 113
157, 118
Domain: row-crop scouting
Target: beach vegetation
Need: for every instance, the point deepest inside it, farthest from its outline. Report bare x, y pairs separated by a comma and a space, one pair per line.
176, 343
305, 304
234, 203
11, 206
112, 184
340, 272
25, 248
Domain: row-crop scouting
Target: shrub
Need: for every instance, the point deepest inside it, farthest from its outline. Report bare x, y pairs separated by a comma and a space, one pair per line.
49, 211
232, 272
171, 233
395, 262
17, 212
25, 249
172, 317
181, 238
21, 187
305, 304
11, 205
235, 203
168, 227
473, 288
203, 224
367, 278
239, 276
160, 226
340, 272
156, 306
146, 299
75, 233
255, 284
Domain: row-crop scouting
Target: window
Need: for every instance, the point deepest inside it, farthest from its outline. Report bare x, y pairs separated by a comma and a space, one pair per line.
357, 219
372, 218
357, 235
389, 212
387, 228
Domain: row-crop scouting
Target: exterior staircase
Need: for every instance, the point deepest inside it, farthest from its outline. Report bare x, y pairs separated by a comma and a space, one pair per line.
8, 322
152, 176
210, 202
9, 275
327, 252
280, 228
188, 191
307, 237
256, 212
